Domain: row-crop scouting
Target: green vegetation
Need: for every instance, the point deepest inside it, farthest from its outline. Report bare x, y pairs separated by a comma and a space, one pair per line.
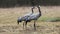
50, 19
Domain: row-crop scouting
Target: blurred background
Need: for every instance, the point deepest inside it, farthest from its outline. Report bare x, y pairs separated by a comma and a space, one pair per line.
13, 3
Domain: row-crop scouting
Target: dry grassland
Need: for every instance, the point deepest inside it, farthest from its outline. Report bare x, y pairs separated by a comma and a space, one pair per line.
8, 21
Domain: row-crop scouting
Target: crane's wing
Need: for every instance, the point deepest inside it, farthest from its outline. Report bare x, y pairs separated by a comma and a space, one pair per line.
27, 15
33, 17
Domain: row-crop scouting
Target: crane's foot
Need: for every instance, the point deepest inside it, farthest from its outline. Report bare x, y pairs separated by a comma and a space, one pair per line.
34, 29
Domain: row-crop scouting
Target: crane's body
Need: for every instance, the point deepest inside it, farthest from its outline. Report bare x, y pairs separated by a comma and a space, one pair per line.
20, 19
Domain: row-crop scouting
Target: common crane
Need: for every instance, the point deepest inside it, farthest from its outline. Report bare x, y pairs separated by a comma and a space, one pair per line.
34, 17
24, 18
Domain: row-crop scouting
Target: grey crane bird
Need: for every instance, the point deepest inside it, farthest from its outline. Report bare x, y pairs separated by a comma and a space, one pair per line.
24, 18
34, 17
20, 19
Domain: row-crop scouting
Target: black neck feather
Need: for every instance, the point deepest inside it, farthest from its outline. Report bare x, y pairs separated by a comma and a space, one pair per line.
39, 10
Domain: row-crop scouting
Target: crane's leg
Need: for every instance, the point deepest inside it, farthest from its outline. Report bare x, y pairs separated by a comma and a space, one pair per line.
17, 22
26, 24
34, 24
23, 26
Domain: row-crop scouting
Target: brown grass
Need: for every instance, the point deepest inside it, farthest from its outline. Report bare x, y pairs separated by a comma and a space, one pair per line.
8, 18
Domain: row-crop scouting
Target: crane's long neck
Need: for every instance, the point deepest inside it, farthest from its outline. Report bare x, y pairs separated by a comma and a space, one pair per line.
39, 11
32, 10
